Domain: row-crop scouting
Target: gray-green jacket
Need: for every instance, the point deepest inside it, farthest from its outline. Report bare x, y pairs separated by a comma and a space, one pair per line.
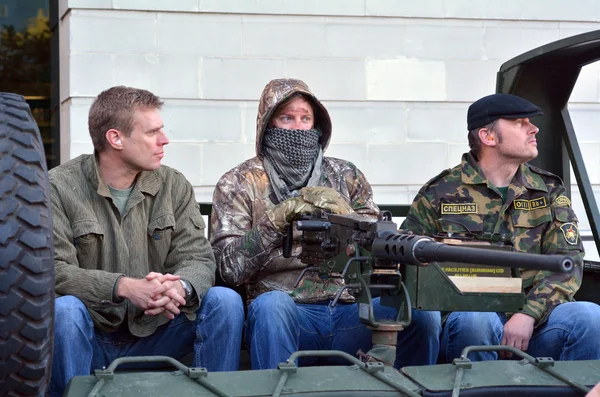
161, 230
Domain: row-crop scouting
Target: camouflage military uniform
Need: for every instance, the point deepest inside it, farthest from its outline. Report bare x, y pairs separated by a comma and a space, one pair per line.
247, 247
536, 217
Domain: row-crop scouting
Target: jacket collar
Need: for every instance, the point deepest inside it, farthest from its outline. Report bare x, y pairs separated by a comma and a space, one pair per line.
524, 178
147, 181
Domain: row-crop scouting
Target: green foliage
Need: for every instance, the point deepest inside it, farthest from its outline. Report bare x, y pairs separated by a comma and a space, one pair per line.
25, 57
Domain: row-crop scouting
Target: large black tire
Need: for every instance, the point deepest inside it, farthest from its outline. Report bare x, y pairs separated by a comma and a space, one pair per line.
26, 254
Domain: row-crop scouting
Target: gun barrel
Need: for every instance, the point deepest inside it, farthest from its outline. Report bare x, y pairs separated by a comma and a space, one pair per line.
419, 250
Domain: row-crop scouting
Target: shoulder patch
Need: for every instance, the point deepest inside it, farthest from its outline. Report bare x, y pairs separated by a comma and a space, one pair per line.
570, 232
562, 201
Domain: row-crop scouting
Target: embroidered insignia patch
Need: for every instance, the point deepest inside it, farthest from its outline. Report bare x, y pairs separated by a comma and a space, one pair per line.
462, 208
570, 232
563, 201
528, 205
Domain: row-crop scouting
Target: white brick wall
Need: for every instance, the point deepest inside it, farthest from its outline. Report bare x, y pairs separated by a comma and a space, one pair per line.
443, 122
237, 78
405, 80
332, 79
217, 121
586, 88
444, 40
169, 76
405, 163
367, 122
178, 155
585, 119
199, 34
377, 39
302, 7
113, 31
469, 80
89, 74
428, 9
505, 40
282, 34
220, 158
397, 76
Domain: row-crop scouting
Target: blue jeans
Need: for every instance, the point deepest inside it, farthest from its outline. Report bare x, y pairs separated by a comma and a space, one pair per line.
277, 326
214, 337
570, 333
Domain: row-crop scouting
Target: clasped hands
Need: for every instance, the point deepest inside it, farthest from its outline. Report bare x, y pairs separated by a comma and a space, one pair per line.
156, 293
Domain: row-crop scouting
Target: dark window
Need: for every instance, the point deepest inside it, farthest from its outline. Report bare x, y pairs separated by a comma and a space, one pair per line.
25, 66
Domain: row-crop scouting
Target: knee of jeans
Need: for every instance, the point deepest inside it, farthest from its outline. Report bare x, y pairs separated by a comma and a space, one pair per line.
476, 326
429, 322
224, 299
70, 312
271, 305
585, 315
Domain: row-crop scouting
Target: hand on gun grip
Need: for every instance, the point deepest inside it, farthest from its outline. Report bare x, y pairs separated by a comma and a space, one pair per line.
310, 199
326, 198
285, 212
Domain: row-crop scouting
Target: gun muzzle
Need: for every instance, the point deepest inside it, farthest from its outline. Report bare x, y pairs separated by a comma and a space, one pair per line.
420, 250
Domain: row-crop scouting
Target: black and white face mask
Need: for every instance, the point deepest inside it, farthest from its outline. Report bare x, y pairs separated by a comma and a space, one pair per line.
292, 153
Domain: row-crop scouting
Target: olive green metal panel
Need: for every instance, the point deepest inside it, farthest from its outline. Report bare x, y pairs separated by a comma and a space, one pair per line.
337, 381
308, 381
503, 373
433, 290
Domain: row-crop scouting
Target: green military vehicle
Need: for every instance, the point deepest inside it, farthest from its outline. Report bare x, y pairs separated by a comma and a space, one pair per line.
370, 255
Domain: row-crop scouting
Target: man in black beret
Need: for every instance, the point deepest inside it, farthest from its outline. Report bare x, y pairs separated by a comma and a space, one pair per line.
496, 197
487, 112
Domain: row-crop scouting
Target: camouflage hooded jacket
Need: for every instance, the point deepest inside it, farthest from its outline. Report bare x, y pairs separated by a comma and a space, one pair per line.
247, 247
536, 217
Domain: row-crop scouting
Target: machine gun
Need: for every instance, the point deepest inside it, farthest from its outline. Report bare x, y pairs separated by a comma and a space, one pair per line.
371, 256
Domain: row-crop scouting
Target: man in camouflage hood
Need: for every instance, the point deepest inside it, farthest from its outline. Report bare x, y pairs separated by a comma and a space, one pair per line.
252, 205
495, 195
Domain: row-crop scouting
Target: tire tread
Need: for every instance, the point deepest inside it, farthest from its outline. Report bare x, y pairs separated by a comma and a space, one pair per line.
26, 254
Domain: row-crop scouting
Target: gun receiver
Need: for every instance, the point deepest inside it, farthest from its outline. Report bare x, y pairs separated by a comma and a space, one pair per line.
420, 250
371, 256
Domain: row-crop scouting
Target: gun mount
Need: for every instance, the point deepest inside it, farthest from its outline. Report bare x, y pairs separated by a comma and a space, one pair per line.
371, 254
373, 258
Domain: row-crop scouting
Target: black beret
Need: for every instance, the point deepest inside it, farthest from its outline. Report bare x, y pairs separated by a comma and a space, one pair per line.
496, 106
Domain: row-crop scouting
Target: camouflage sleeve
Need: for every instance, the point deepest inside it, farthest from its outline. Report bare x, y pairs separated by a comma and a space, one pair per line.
361, 194
241, 248
421, 218
550, 289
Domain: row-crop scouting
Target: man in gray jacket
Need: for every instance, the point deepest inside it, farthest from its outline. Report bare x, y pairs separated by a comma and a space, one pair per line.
133, 268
